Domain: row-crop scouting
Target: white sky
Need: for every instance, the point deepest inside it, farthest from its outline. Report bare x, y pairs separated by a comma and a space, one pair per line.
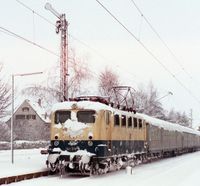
175, 21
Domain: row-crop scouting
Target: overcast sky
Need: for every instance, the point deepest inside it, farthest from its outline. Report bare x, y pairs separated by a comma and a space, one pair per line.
176, 21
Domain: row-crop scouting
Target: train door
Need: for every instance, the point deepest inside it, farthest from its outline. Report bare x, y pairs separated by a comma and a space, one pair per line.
162, 140
147, 137
108, 129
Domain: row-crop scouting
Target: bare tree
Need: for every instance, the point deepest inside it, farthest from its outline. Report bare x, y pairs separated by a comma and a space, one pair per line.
79, 73
178, 117
5, 95
147, 101
50, 91
4, 132
107, 80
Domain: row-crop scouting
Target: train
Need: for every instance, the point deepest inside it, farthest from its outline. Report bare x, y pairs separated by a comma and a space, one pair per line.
90, 136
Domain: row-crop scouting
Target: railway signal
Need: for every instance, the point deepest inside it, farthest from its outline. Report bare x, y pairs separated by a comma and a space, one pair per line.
62, 28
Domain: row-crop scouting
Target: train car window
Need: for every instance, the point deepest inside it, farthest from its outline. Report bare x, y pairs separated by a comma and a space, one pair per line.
130, 122
86, 116
116, 120
135, 122
140, 123
123, 120
62, 116
107, 117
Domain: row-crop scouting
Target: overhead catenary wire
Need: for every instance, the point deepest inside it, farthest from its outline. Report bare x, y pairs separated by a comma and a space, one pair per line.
91, 48
34, 12
73, 37
142, 16
27, 40
160, 38
148, 51
34, 30
48, 21
97, 52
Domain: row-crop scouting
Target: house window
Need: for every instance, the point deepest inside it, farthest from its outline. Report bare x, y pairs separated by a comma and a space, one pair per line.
123, 119
33, 117
25, 109
28, 116
20, 116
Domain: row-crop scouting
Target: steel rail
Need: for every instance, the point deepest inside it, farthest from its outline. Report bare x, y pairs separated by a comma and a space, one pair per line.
11, 179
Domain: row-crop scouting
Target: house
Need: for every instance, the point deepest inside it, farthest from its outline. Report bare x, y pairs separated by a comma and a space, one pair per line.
30, 122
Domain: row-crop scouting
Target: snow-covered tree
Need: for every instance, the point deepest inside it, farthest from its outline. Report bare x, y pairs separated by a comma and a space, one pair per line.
107, 80
178, 117
4, 132
184, 120
147, 101
78, 74
5, 94
50, 91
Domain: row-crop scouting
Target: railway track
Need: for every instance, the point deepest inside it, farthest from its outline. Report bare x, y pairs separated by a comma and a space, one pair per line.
11, 179
21, 177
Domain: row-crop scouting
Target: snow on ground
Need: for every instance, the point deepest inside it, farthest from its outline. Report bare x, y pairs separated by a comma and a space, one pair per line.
25, 161
179, 171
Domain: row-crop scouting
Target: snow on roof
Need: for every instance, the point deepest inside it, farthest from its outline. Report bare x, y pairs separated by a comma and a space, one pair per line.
90, 105
39, 110
167, 125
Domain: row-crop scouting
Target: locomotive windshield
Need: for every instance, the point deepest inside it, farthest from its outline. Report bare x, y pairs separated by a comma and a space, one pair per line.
62, 116
86, 116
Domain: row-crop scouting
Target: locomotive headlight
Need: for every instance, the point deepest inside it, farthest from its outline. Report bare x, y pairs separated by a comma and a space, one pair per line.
56, 143
56, 137
90, 135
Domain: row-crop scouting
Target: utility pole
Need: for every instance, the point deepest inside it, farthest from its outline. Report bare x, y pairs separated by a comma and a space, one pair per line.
12, 109
62, 28
191, 118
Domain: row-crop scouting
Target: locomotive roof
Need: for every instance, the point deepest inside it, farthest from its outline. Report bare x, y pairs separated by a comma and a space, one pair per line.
90, 105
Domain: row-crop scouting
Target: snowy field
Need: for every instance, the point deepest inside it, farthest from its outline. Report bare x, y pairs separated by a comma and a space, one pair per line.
25, 161
179, 171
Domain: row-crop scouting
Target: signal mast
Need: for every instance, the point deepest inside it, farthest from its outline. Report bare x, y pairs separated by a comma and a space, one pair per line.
62, 28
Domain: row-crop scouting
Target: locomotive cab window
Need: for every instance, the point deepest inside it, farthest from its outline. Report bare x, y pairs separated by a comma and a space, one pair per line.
62, 116
86, 116
116, 120
123, 120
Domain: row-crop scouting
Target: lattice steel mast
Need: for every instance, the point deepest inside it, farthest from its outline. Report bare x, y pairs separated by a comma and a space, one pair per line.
62, 28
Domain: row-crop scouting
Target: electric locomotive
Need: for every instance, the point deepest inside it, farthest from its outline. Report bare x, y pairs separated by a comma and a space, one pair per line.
89, 136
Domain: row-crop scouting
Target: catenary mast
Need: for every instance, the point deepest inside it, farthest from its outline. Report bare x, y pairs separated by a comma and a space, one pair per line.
62, 28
